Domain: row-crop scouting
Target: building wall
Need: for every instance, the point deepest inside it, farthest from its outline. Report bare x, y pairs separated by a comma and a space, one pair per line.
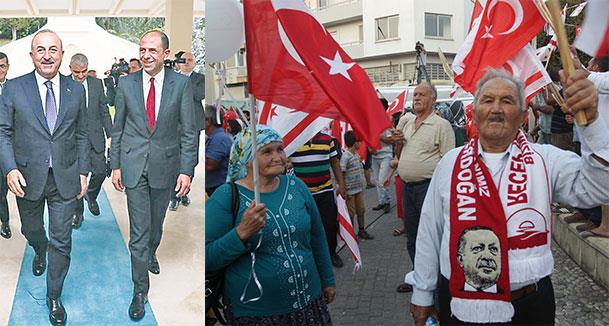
456, 9
372, 9
347, 33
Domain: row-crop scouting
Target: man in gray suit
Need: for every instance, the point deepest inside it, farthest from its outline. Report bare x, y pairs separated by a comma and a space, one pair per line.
5, 228
98, 122
153, 141
198, 90
44, 153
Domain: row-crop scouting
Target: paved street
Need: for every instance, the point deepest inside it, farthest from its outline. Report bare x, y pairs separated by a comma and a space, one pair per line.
369, 296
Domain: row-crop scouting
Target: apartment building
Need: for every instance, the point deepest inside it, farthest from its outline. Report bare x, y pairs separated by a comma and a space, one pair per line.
380, 35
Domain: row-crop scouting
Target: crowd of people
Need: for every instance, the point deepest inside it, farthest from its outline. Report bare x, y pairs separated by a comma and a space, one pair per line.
59, 142
477, 217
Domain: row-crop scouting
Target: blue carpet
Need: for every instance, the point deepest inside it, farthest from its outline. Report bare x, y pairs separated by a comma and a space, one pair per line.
98, 287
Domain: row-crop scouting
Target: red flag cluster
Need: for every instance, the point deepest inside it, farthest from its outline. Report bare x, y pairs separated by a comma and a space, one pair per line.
500, 31
294, 62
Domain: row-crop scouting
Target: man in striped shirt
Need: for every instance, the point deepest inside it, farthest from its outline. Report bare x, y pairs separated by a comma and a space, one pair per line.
312, 163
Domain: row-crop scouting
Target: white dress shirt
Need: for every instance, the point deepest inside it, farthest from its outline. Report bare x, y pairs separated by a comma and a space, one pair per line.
158, 89
84, 84
575, 181
42, 88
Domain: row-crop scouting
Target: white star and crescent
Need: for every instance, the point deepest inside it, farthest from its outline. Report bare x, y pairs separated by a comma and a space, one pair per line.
338, 66
518, 16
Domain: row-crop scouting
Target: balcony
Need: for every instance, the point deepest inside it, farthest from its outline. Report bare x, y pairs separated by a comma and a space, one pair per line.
354, 49
339, 11
236, 75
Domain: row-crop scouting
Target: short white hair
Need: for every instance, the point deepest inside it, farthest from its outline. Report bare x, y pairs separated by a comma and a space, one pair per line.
501, 74
79, 59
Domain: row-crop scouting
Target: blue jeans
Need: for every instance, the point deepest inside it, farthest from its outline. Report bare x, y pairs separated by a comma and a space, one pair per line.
413, 195
380, 170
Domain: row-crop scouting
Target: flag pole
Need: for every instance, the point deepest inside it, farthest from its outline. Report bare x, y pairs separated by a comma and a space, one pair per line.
253, 118
565, 53
549, 57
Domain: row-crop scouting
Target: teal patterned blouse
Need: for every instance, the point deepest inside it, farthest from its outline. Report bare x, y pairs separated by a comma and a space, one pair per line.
292, 263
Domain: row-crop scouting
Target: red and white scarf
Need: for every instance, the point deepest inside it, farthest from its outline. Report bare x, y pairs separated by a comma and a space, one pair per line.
517, 211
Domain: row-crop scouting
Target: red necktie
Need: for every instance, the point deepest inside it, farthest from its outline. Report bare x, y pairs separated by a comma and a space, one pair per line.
150, 105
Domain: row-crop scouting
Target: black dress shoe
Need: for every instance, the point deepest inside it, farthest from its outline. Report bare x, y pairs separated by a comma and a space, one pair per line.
39, 264
378, 207
185, 200
5, 231
137, 307
337, 261
77, 221
153, 265
173, 205
93, 207
57, 313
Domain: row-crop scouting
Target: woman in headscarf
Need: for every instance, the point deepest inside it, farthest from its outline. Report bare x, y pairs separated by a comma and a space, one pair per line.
278, 268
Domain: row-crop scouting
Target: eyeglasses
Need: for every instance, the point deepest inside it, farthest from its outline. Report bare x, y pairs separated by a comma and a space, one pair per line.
3, 66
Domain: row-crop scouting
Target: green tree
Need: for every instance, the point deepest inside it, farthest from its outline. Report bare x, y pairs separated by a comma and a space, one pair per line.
15, 28
130, 28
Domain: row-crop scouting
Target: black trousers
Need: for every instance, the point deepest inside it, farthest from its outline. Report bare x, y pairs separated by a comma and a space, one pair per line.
413, 195
329, 217
98, 175
538, 308
3, 201
147, 207
59, 242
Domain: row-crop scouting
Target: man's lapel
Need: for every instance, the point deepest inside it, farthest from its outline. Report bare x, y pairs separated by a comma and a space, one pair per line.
139, 96
88, 89
65, 97
165, 94
36, 101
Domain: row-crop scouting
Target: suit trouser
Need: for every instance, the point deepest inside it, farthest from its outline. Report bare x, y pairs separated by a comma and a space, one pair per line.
98, 175
3, 201
60, 232
147, 207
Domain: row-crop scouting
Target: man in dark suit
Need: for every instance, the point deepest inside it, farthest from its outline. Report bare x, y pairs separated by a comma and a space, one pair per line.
5, 228
98, 122
153, 141
198, 90
44, 153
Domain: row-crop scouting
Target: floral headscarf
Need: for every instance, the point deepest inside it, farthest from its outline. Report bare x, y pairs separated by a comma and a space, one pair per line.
241, 151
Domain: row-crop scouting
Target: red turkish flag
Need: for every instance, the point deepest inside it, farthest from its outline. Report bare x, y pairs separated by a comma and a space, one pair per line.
294, 62
397, 105
497, 35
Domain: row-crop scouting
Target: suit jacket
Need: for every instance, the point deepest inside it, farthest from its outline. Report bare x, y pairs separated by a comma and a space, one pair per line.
26, 142
170, 148
98, 116
198, 91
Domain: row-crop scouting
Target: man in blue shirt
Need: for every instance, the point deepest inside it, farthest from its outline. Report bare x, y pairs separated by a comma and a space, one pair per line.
217, 150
